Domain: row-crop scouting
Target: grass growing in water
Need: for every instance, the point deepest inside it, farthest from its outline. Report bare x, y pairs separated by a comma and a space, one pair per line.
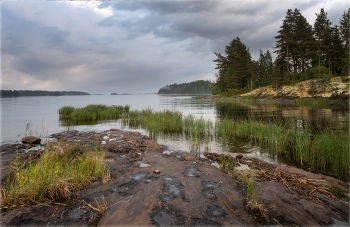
93, 112
54, 177
326, 151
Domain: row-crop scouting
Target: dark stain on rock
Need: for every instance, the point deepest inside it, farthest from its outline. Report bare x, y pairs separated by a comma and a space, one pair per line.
114, 188
164, 216
139, 176
75, 214
209, 185
208, 194
173, 189
208, 190
97, 195
215, 211
204, 222
150, 180
191, 172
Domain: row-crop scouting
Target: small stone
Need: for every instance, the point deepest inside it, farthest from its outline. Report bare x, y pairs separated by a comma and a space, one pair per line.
156, 171
31, 140
239, 156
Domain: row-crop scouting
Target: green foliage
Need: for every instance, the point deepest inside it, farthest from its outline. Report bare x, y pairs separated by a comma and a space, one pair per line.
287, 83
337, 191
233, 92
317, 72
14, 93
236, 68
54, 177
93, 112
276, 135
301, 51
195, 87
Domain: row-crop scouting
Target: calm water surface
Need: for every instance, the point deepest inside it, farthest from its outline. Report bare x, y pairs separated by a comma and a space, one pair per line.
38, 116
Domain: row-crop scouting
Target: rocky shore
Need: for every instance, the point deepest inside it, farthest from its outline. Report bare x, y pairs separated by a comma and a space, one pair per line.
152, 185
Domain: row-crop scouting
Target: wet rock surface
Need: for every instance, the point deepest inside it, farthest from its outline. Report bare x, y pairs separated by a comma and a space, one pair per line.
31, 140
149, 187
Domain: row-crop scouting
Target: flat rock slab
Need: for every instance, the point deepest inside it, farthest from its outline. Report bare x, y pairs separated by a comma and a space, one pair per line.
149, 187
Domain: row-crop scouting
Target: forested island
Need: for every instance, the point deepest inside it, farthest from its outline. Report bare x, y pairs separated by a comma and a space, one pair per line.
303, 51
194, 87
18, 93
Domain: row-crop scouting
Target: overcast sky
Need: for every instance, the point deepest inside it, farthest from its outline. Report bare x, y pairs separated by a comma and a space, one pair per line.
134, 46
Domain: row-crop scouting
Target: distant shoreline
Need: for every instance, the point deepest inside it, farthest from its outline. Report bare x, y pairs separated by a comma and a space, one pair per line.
20, 93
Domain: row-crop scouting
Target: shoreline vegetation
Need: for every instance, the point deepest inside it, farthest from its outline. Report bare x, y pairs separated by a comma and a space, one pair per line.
53, 177
19, 93
194, 87
315, 151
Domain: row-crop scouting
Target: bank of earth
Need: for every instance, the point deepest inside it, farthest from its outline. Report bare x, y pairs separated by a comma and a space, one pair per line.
152, 185
328, 88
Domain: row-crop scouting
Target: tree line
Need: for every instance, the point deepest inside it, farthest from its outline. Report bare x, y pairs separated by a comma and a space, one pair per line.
17, 93
303, 52
194, 87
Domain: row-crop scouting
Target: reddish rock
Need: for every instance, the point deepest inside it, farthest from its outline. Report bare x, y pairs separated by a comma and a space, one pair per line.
31, 140
239, 156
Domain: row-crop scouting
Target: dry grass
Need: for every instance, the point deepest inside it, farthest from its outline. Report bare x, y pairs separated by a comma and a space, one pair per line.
60, 171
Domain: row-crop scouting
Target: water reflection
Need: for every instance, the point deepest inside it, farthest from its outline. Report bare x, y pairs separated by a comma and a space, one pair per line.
315, 119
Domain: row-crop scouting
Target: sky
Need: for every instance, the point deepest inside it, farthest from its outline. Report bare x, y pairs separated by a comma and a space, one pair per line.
134, 46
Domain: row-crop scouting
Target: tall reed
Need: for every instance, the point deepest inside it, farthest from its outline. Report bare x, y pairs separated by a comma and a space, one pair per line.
321, 149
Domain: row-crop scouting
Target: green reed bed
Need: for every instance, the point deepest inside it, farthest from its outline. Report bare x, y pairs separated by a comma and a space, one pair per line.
54, 177
330, 152
93, 112
155, 122
326, 150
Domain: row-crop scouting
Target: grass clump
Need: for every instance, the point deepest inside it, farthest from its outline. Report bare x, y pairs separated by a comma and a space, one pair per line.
287, 83
337, 191
93, 112
66, 111
233, 92
54, 177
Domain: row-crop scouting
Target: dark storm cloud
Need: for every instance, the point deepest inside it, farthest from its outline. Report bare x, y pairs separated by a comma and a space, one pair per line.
217, 21
163, 7
17, 33
133, 46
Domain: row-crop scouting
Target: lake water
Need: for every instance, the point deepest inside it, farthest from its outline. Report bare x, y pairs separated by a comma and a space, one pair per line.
38, 116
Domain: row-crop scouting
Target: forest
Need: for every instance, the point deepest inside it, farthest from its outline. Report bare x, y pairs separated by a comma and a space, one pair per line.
303, 52
14, 93
194, 87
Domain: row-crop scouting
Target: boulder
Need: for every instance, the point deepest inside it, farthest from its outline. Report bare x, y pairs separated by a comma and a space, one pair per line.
31, 140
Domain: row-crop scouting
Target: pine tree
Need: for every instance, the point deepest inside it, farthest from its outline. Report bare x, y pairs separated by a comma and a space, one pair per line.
336, 52
305, 44
344, 37
322, 33
284, 39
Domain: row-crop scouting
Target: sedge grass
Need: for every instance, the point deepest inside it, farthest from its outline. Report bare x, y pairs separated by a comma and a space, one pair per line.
248, 177
54, 177
92, 112
325, 151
